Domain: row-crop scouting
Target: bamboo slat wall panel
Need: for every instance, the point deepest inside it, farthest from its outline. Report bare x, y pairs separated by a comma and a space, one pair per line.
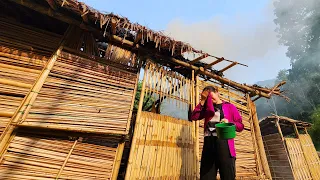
277, 156
298, 161
43, 157
23, 53
84, 95
311, 155
17, 75
164, 148
245, 143
34, 42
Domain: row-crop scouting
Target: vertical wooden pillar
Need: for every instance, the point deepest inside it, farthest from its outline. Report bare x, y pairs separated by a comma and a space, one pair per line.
261, 151
197, 124
117, 162
279, 129
137, 125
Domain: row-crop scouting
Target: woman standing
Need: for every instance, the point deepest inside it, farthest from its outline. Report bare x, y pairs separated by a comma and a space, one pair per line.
217, 154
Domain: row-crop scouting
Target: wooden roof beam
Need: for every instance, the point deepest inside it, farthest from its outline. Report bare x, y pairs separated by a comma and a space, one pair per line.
130, 45
198, 59
213, 63
228, 67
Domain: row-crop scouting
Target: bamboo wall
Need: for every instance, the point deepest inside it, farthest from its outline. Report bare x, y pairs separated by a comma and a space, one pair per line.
31, 156
81, 93
311, 155
24, 51
163, 149
298, 161
248, 162
278, 159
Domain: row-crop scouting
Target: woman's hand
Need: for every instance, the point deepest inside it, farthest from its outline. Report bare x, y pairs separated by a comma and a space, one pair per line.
224, 120
204, 96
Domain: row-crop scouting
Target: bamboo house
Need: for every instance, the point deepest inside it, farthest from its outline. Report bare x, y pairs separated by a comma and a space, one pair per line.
290, 151
69, 78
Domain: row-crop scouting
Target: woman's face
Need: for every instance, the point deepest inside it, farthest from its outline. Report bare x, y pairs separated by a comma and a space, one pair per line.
215, 97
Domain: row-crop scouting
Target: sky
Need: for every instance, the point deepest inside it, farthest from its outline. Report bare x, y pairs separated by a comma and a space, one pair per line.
241, 31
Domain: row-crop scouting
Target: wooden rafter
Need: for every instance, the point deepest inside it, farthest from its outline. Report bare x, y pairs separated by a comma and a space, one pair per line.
229, 66
198, 59
213, 63
118, 41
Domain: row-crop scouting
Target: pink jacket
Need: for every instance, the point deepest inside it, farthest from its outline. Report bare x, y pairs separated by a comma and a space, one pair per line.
230, 112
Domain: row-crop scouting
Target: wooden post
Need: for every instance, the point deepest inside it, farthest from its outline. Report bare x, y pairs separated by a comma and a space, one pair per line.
25, 106
197, 124
117, 161
262, 151
279, 129
67, 158
121, 145
136, 129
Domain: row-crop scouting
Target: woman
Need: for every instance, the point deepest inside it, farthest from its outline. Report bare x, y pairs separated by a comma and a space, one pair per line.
217, 154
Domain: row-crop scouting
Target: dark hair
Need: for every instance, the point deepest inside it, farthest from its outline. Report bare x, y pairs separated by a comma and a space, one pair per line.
210, 88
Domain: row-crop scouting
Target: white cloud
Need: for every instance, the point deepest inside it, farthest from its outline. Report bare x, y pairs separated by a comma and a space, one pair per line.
246, 38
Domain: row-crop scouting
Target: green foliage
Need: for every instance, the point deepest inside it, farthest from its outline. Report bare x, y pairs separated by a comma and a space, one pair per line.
147, 101
298, 25
315, 130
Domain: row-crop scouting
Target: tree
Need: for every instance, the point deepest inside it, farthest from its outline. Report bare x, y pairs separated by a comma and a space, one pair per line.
147, 101
298, 24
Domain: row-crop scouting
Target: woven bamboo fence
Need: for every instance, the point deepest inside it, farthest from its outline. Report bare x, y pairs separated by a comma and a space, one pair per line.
162, 146
278, 158
163, 149
31, 156
249, 160
311, 155
298, 161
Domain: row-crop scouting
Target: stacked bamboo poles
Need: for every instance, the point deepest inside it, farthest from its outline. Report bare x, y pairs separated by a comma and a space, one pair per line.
278, 159
163, 149
248, 163
40, 43
162, 83
83, 95
44, 157
299, 165
311, 155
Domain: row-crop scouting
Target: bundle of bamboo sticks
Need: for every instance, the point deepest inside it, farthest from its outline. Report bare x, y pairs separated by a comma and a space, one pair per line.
54, 157
162, 83
163, 149
83, 95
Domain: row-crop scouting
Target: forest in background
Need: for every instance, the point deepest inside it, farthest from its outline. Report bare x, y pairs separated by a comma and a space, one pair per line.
298, 28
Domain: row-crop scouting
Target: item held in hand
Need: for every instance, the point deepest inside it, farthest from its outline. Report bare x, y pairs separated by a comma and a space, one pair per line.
226, 130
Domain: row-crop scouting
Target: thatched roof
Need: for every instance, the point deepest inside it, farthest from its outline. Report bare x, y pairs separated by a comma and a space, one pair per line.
109, 28
122, 26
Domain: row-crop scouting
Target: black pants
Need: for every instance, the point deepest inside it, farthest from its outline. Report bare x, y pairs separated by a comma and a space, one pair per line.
216, 156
